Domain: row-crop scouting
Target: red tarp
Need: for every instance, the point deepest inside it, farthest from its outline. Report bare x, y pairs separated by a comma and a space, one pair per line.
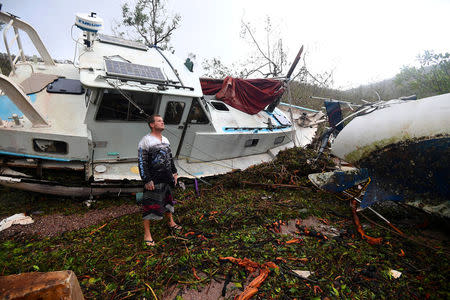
247, 95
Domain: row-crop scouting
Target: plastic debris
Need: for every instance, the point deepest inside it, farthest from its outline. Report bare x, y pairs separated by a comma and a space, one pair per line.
302, 273
395, 274
182, 185
20, 219
89, 202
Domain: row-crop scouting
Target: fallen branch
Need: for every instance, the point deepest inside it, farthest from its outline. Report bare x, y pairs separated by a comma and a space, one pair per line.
277, 185
154, 295
95, 230
198, 281
174, 237
130, 293
405, 236
195, 274
370, 240
252, 288
251, 266
380, 216
248, 264
294, 241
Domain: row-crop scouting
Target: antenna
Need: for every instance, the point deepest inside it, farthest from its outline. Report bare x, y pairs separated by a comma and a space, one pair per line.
90, 24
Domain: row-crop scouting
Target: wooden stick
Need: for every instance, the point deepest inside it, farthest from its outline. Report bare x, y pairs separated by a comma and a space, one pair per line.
95, 230
378, 214
154, 295
371, 240
276, 185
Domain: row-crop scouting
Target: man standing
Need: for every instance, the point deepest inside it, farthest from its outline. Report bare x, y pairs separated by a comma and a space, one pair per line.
159, 174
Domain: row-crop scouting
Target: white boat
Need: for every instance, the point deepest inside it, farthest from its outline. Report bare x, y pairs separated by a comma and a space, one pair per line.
405, 145
87, 117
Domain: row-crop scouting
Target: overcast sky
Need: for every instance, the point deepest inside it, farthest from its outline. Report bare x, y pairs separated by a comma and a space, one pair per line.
362, 41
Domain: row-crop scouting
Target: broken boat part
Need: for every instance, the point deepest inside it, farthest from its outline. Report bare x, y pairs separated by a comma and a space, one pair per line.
340, 181
403, 143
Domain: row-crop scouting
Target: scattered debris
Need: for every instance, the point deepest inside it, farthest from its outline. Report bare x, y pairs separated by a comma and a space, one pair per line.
442, 209
323, 230
395, 274
89, 202
302, 273
182, 185
20, 219
251, 267
286, 171
229, 221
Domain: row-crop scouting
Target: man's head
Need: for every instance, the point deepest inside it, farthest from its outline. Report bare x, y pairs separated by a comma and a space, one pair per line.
156, 123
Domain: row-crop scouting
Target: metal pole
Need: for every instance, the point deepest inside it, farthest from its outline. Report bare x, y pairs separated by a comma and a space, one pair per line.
294, 132
371, 209
288, 80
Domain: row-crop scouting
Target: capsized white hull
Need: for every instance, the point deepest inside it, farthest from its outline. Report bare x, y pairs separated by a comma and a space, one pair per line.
400, 121
405, 147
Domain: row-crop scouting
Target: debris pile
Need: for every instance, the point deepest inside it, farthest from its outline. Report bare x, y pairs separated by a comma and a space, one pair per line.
287, 170
230, 234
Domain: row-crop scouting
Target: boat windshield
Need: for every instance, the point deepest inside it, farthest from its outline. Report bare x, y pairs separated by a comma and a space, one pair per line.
115, 106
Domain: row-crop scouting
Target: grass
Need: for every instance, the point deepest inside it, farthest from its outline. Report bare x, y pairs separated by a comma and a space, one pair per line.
229, 219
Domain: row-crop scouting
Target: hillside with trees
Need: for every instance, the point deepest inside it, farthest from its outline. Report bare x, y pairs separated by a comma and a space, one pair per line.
431, 78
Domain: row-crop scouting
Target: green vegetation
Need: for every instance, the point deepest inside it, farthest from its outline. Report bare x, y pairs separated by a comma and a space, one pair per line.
149, 21
431, 78
229, 218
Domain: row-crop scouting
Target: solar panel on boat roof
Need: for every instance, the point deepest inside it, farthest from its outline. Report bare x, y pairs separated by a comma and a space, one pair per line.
121, 42
133, 71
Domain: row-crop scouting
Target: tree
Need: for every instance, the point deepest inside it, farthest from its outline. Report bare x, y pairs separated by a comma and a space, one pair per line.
268, 59
150, 20
267, 63
214, 68
431, 78
264, 61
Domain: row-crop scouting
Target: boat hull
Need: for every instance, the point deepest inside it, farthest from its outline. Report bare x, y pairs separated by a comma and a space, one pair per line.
405, 148
412, 167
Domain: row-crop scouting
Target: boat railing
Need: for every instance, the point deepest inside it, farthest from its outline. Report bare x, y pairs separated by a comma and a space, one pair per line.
18, 97
14, 22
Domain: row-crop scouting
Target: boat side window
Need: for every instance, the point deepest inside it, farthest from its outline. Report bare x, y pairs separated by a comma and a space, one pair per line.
174, 112
279, 140
197, 115
219, 105
49, 146
115, 106
251, 142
